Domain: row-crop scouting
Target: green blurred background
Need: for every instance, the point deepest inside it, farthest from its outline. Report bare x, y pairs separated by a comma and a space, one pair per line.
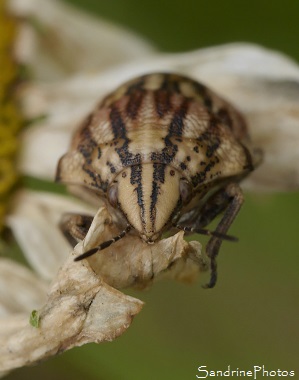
252, 316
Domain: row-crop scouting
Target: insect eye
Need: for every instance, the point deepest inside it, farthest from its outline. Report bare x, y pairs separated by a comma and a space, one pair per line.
185, 191
112, 195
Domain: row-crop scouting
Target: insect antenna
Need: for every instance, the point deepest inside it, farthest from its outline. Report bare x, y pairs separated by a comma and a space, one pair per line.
104, 245
203, 231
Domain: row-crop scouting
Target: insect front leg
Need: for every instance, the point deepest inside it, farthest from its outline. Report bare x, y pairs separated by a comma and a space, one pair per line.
229, 200
75, 227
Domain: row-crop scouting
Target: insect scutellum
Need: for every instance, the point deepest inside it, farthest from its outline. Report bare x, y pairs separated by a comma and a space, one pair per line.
162, 151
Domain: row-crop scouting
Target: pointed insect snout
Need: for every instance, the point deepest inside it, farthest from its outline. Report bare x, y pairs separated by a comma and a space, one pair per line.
148, 196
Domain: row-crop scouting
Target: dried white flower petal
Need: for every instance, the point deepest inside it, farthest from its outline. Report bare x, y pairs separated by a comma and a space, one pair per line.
35, 222
274, 126
67, 40
81, 308
131, 262
20, 289
34, 141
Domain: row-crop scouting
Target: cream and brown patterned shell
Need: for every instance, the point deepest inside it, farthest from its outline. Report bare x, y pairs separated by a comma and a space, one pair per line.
155, 130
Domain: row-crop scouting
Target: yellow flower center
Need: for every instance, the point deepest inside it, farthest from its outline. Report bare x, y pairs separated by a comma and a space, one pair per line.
10, 117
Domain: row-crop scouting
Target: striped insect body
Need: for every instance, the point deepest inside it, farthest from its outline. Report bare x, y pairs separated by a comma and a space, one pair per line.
162, 151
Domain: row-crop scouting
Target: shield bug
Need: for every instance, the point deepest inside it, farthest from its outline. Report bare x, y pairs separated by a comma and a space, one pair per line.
163, 152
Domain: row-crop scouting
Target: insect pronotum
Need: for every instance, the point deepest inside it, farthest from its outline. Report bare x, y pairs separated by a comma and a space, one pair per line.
163, 151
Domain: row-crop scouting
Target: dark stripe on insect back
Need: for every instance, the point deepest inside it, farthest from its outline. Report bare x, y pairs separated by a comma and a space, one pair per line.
177, 123
162, 96
120, 133
175, 129
134, 103
225, 117
86, 143
158, 178
210, 139
162, 102
117, 124
201, 176
171, 83
204, 93
84, 137
86, 147
136, 93
234, 121
136, 179
210, 142
136, 85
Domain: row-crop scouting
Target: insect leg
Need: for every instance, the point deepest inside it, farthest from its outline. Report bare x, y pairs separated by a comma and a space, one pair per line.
75, 227
229, 200
104, 245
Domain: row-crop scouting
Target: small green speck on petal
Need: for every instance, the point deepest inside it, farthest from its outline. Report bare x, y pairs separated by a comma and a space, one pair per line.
34, 319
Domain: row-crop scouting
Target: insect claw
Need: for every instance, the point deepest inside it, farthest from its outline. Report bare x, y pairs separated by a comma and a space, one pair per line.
213, 276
